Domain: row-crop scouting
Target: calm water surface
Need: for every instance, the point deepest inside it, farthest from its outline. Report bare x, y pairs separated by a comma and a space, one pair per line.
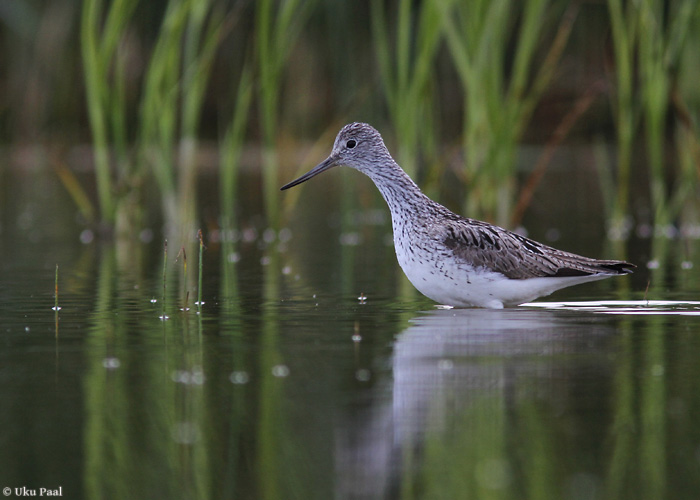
313, 371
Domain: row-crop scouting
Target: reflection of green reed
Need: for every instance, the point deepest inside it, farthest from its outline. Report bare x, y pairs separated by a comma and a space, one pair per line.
499, 97
638, 436
140, 408
272, 423
474, 461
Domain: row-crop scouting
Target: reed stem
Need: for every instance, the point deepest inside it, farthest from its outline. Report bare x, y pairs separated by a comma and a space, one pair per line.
406, 72
165, 274
55, 295
199, 284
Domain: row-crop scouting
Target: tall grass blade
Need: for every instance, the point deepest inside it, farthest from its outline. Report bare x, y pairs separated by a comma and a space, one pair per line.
663, 32
499, 96
406, 72
200, 277
159, 105
105, 107
277, 26
231, 145
624, 28
163, 316
201, 41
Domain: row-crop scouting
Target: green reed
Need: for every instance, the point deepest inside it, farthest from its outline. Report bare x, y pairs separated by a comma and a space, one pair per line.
661, 46
171, 100
55, 299
165, 279
202, 37
649, 40
158, 113
406, 70
230, 146
276, 30
201, 266
500, 93
624, 27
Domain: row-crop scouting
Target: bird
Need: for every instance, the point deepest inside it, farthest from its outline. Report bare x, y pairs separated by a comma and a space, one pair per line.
454, 260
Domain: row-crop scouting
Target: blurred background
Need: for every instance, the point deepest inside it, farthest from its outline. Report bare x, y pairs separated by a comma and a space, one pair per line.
130, 104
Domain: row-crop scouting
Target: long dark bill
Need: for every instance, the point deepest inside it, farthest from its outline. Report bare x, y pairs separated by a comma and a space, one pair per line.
321, 167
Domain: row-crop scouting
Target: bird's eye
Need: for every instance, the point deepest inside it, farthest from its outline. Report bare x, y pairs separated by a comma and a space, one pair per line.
351, 144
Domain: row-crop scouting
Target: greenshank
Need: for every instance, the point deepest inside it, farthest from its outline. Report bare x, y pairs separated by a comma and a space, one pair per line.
454, 260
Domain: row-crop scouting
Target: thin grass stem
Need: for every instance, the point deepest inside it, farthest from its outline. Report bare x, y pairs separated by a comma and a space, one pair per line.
201, 266
165, 278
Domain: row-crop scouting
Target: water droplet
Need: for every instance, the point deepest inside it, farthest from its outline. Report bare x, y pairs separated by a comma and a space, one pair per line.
86, 236
653, 264
668, 231
233, 257
280, 371
56, 308
285, 235
363, 375
194, 377
552, 234
286, 270
269, 235
362, 298
249, 235
446, 364
164, 317
357, 338
111, 363
350, 239
239, 377
154, 300
185, 433
146, 235
644, 231
686, 264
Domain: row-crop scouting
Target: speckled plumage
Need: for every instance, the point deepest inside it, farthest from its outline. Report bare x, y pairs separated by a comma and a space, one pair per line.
451, 259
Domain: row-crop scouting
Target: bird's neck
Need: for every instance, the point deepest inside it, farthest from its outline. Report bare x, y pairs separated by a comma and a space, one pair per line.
398, 189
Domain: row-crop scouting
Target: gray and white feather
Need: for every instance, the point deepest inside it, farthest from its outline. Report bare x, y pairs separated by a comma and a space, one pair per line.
451, 259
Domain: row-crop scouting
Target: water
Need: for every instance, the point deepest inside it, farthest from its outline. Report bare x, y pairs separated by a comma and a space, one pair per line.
313, 371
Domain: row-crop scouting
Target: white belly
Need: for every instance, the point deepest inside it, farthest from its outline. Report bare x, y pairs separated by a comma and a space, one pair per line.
438, 276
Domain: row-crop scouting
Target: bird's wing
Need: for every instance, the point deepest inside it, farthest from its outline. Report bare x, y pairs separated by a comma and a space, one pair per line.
515, 256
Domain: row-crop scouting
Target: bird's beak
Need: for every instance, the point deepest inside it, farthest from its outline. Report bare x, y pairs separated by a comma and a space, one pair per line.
321, 167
